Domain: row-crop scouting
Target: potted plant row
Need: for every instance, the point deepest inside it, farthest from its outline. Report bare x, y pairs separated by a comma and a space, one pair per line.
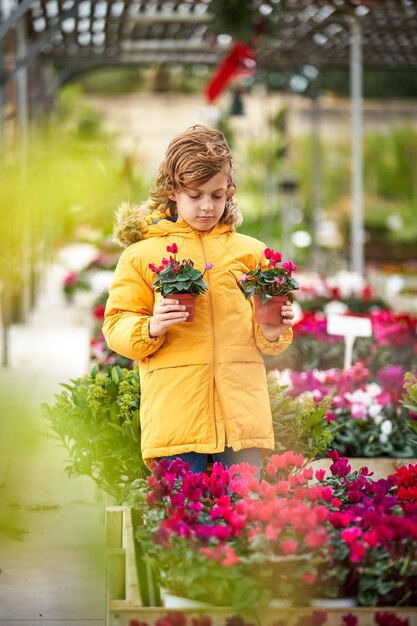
371, 419
231, 540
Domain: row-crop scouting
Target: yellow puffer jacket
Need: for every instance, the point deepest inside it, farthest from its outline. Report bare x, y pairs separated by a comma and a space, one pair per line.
204, 382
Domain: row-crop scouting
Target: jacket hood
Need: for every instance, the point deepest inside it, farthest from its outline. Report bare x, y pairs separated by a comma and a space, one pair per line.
135, 222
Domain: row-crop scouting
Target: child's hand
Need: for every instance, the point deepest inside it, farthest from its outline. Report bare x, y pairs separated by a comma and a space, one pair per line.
271, 332
167, 312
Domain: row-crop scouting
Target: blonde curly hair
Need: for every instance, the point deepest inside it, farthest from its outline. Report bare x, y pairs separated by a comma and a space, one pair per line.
192, 158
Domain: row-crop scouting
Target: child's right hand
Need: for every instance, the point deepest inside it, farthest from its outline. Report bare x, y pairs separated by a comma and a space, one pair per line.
167, 312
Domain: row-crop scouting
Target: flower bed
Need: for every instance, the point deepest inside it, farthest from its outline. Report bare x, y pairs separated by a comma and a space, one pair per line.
125, 606
367, 413
230, 539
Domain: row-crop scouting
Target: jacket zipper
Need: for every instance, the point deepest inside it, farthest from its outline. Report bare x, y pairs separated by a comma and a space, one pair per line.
214, 354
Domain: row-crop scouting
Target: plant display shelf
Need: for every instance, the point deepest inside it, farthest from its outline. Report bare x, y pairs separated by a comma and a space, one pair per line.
124, 602
380, 466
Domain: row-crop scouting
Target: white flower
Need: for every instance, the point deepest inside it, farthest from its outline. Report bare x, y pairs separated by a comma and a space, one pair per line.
375, 412
335, 307
359, 396
283, 378
348, 283
373, 390
386, 427
386, 430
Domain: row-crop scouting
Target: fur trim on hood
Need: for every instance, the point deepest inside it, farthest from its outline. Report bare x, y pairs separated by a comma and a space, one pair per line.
131, 219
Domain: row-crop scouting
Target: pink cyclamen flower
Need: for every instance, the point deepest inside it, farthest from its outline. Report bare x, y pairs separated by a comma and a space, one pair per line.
289, 266
152, 267
173, 248
350, 535
70, 280
288, 546
208, 266
230, 559
357, 552
309, 578
268, 253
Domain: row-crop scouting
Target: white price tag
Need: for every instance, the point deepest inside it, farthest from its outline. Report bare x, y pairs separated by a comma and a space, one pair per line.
349, 325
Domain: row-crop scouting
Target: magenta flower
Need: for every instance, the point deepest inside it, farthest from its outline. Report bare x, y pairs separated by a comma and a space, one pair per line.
289, 266
350, 535
269, 281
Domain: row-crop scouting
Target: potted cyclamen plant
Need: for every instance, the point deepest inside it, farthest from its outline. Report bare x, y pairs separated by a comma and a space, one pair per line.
270, 287
180, 280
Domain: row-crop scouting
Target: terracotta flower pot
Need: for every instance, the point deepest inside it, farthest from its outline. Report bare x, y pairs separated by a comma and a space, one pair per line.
269, 312
187, 300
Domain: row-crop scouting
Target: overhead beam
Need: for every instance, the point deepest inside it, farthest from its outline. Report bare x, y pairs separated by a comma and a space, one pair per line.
33, 50
182, 45
140, 58
173, 17
8, 24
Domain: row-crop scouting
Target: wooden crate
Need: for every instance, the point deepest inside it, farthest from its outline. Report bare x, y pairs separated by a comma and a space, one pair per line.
124, 601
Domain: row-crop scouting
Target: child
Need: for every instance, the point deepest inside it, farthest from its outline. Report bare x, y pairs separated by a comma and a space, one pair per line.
203, 384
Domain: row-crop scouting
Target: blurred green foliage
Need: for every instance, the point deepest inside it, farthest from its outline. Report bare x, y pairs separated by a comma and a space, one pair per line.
96, 419
70, 176
390, 184
376, 83
112, 80
299, 424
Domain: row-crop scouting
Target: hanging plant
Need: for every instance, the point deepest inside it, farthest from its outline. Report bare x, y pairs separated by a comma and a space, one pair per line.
243, 20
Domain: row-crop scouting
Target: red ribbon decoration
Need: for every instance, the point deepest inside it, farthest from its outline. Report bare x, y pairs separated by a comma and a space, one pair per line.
240, 61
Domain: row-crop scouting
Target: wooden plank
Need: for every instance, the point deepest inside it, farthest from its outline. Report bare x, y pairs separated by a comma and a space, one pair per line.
114, 527
132, 591
122, 615
115, 578
115, 559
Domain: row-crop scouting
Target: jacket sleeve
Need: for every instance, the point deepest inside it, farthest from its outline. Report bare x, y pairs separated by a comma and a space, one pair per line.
272, 347
128, 312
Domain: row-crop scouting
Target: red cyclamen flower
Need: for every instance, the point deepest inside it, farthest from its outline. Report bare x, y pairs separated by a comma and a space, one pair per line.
173, 248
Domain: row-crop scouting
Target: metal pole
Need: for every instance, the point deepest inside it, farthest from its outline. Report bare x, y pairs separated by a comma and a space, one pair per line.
357, 238
2, 84
316, 195
22, 93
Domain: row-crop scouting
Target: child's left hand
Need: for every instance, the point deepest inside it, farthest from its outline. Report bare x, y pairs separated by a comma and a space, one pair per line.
271, 332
